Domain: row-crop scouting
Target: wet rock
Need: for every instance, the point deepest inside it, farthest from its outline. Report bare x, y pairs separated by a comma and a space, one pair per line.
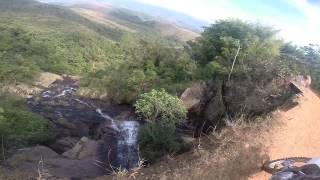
192, 96
64, 144
65, 128
83, 149
106, 129
123, 116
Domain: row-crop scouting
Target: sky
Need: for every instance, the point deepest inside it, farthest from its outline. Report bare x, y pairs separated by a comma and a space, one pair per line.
297, 20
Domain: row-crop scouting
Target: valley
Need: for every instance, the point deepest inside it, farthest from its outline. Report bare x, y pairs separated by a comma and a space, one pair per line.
129, 90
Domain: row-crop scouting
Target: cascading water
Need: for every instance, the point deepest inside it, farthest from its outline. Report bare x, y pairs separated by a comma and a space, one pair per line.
127, 149
127, 144
107, 117
62, 101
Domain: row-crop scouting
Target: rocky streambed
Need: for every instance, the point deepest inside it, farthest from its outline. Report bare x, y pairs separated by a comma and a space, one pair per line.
90, 138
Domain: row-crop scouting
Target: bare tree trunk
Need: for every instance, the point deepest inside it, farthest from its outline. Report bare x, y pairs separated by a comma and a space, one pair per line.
234, 61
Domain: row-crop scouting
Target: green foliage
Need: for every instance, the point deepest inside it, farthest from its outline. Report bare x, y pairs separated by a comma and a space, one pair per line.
146, 63
160, 107
156, 140
162, 111
35, 38
19, 127
258, 59
10, 101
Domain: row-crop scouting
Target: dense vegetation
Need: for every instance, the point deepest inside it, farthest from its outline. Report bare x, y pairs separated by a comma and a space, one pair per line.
144, 64
123, 66
18, 126
162, 112
37, 37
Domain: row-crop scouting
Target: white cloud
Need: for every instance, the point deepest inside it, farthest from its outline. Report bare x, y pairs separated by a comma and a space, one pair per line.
203, 9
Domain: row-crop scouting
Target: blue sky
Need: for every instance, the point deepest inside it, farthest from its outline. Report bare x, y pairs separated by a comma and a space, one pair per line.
298, 20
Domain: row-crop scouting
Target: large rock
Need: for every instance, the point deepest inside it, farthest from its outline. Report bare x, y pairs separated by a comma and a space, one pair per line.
83, 149
64, 144
46, 79
192, 97
215, 108
31, 155
55, 166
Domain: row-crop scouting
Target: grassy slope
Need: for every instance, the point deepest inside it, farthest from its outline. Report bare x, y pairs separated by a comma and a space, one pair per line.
66, 42
133, 21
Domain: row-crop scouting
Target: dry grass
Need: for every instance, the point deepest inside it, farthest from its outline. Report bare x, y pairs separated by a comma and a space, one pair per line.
236, 152
6, 174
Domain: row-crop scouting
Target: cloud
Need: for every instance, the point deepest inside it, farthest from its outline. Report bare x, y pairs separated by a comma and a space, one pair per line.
207, 10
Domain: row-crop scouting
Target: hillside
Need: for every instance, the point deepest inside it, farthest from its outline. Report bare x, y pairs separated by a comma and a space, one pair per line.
58, 40
92, 89
131, 21
49, 38
157, 13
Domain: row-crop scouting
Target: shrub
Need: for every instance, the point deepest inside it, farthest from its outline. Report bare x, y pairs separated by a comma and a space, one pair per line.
19, 127
158, 106
156, 140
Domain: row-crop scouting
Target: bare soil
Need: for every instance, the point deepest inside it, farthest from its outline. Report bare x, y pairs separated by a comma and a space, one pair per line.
298, 134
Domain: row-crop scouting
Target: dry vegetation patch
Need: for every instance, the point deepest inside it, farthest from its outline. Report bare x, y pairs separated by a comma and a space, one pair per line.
236, 152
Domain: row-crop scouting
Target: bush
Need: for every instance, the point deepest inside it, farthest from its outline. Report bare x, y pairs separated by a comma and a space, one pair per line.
19, 127
158, 106
162, 111
156, 140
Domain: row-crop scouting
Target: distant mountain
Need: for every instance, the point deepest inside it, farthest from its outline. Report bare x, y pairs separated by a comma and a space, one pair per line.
132, 21
159, 13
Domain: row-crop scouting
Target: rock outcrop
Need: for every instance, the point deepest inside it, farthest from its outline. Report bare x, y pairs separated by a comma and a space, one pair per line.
31, 155
83, 149
46, 79
192, 97
57, 166
64, 144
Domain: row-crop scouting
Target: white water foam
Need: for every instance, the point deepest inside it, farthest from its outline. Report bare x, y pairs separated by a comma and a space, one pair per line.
127, 144
68, 90
113, 123
127, 151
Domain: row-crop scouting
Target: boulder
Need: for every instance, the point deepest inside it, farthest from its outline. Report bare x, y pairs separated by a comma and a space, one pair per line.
64, 144
215, 109
46, 79
63, 128
53, 166
31, 155
192, 97
83, 149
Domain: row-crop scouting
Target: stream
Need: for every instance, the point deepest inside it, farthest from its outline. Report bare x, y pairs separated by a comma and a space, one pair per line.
114, 126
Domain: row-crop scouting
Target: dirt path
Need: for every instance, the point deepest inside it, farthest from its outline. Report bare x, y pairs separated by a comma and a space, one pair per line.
299, 132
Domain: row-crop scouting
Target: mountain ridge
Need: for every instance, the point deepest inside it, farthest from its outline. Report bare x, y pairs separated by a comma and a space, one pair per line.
159, 13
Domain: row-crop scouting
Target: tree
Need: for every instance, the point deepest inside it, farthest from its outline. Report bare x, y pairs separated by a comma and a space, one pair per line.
216, 48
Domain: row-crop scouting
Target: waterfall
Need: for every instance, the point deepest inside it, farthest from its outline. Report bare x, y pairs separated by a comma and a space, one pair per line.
113, 124
127, 150
127, 144
74, 107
